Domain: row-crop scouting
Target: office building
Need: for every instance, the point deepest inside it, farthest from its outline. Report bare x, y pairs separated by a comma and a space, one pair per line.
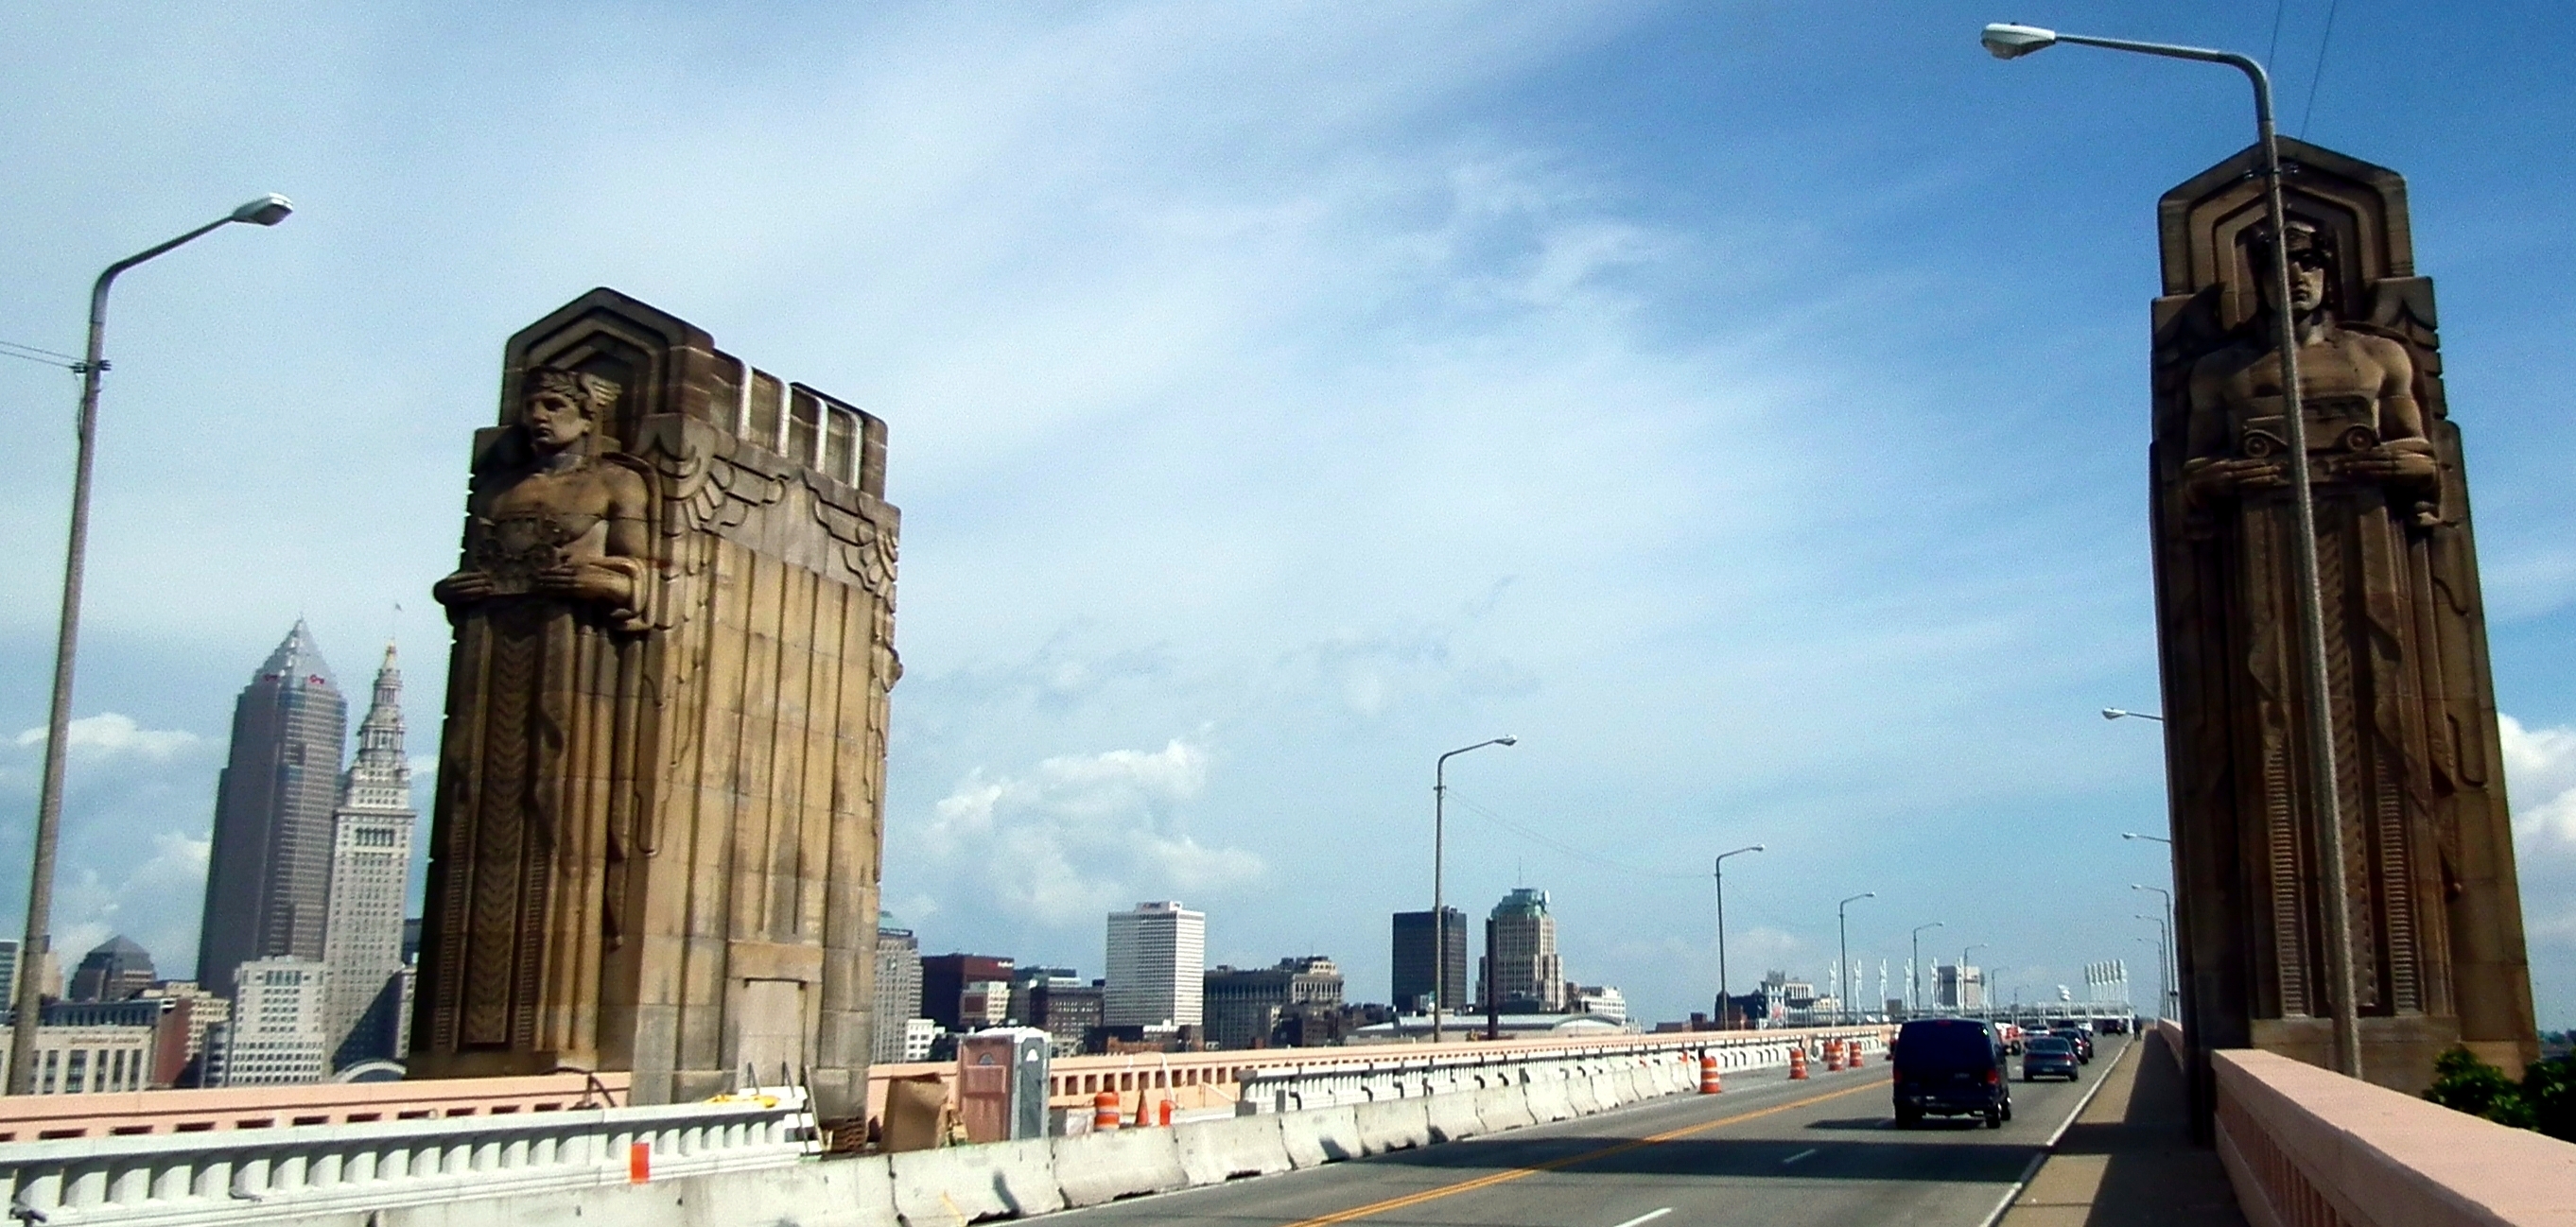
1413, 961
1157, 967
49, 974
1066, 1009
268, 873
362, 938
1521, 973
277, 1033
79, 1059
1599, 1000
919, 1035
898, 991
1297, 1002
1958, 988
944, 978
116, 970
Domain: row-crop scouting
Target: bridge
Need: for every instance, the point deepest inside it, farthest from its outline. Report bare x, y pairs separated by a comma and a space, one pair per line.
1597, 1133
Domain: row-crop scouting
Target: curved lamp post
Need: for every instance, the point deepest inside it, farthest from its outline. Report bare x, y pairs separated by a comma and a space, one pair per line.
1725, 1002
1914, 969
2008, 41
2114, 713
1842, 970
1439, 837
265, 211
2170, 970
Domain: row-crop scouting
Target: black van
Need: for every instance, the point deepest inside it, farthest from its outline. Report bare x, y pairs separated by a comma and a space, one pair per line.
1950, 1067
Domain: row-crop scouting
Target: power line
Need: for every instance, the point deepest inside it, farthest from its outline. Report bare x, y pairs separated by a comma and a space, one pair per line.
30, 353
2274, 54
2323, 41
1560, 846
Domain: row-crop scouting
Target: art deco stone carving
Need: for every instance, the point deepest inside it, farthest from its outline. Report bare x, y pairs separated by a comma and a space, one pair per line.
655, 843
2436, 916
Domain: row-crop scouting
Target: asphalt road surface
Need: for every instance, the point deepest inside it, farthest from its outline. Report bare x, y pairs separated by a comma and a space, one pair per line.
1768, 1151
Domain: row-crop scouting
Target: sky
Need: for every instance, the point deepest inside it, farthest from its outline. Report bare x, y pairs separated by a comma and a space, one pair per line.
1743, 405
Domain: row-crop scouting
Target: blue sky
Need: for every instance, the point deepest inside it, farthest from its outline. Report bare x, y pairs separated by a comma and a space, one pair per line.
1742, 404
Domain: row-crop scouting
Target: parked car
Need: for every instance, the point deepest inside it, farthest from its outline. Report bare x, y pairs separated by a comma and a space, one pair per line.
1950, 1067
2048, 1056
2082, 1040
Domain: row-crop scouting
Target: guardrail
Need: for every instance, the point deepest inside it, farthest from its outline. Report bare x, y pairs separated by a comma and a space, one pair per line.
2307, 1147
257, 1175
1337, 1082
34, 1118
1203, 1080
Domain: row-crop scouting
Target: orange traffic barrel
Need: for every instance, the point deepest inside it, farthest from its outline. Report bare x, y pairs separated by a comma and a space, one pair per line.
1709, 1084
1104, 1112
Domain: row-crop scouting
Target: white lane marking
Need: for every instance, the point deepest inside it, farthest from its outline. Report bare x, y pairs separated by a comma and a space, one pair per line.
1804, 1154
1647, 1217
2031, 1169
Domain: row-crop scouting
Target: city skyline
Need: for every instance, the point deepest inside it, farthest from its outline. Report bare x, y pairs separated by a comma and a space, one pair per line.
1756, 484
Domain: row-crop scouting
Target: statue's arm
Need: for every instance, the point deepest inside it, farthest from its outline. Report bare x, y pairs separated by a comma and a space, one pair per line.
2210, 467
467, 585
2404, 455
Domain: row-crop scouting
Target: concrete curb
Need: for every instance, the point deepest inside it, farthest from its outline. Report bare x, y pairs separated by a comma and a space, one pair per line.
1453, 1116
1321, 1135
1395, 1124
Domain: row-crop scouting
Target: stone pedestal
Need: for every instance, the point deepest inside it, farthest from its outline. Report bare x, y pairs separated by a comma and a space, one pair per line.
659, 814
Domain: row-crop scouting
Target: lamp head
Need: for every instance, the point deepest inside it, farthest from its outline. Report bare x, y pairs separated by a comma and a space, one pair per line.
2008, 41
1507, 741
268, 210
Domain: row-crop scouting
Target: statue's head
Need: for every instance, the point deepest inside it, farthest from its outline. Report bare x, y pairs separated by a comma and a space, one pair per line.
562, 406
2312, 265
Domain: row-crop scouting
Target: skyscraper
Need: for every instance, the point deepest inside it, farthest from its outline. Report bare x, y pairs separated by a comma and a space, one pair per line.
116, 970
1157, 967
1522, 973
268, 875
370, 870
1413, 961
898, 990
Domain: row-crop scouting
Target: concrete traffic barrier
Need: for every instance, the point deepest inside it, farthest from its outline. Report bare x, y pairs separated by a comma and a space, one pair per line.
1607, 1091
1579, 1094
1453, 1116
1504, 1107
1099, 1167
1392, 1124
1321, 1135
1625, 1078
1216, 1151
960, 1184
1547, 1099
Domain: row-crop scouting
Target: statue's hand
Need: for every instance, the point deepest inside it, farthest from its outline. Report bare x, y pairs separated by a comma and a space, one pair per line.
464, 587
584, 582
2214, 476
2406, 460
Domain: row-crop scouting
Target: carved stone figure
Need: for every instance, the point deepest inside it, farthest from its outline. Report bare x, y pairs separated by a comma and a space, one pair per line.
2436, 919
655, 843
548, 614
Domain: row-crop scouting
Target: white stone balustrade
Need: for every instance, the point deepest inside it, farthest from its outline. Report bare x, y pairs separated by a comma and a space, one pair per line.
255, 1175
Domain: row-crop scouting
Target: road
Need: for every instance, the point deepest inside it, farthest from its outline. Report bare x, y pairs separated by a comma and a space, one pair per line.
1768, 1151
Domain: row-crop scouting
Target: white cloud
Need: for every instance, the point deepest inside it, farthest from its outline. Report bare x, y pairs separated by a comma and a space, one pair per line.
1078, 835
110, 734
2540, 773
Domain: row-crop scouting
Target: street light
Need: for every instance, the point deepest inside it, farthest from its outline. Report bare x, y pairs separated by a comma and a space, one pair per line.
1439, 834
1725, 1002
1914, 969
2114, 713
1842, 970
2171, 968
2008, 41
2151, 838
1962, 978
265, 211
2164, 941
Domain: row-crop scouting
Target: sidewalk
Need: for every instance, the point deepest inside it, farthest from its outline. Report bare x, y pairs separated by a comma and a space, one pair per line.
2129, 1158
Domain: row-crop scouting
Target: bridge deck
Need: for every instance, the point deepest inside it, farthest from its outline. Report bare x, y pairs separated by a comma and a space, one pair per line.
2127, 1159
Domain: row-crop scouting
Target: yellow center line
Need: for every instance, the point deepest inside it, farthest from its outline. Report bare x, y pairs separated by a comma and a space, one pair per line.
1508, 1175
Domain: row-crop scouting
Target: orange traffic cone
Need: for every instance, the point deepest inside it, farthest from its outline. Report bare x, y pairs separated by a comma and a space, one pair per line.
1798, 1063
1709, 1083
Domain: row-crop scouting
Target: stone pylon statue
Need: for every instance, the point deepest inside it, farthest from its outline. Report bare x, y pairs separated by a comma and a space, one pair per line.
661, 784
2436, 915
